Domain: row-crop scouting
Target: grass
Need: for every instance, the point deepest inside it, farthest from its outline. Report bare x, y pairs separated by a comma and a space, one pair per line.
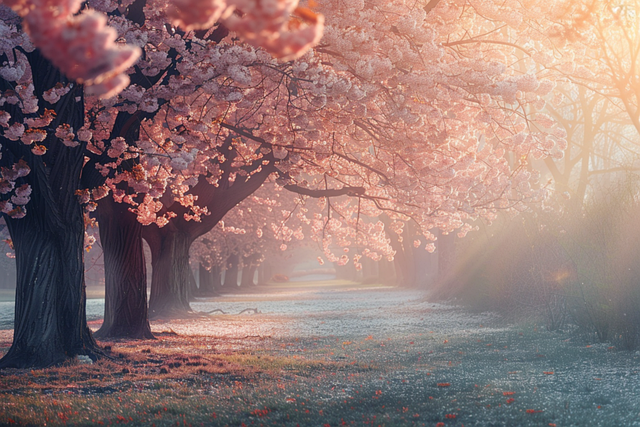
501, 375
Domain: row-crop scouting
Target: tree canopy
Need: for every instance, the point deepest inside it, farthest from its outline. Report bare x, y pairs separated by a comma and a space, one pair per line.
178, 111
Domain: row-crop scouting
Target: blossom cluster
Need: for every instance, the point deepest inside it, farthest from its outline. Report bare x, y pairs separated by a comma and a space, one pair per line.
405, 105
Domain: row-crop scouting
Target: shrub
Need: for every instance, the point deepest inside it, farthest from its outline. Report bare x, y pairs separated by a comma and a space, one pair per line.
582, 268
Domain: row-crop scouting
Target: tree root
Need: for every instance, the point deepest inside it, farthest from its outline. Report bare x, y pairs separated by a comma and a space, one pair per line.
246, 310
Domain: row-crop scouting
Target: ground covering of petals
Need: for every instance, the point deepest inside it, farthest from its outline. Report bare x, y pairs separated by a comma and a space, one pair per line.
334, 355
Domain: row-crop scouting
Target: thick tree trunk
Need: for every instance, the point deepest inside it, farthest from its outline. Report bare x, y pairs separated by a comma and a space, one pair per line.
171, 272
231, 274
125, 310
50, 318
403, 260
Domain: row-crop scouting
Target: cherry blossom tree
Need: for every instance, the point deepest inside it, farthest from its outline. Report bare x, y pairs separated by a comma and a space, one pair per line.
411, 112
48, 240
336, 117
46, 128
270, 221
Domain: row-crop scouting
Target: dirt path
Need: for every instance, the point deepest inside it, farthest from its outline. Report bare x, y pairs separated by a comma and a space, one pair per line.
336, 355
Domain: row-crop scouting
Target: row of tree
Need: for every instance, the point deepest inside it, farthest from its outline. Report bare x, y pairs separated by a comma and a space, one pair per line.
574, 257
426, 115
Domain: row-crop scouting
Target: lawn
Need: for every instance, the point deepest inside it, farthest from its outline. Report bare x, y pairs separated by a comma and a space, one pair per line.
335, 355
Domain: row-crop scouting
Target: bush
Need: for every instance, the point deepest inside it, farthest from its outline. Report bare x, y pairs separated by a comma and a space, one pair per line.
516, 267
582, 268
604, 245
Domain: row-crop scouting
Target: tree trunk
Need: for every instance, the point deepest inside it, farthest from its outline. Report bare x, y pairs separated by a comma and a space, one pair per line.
205, 281
209, 281
248, 272
370, 272
264, 273
231, 275
216, 279
50, 318
125, 309
171, 272
192, 286
401, 263
170, 244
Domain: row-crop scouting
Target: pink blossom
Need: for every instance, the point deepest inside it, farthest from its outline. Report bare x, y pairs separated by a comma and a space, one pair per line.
33, 135
14, 132
81, 46
5, 206
38, 150
4, 119
197, 14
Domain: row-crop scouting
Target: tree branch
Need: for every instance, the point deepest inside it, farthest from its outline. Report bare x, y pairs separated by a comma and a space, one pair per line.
330, 192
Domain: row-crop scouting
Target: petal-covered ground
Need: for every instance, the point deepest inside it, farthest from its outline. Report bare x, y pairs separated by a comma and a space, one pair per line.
334, 355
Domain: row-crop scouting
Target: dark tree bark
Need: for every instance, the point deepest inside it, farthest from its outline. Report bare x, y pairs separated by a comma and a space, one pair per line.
50, 318
205, 281
231, 274
209, 281
171, 272
125, 311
